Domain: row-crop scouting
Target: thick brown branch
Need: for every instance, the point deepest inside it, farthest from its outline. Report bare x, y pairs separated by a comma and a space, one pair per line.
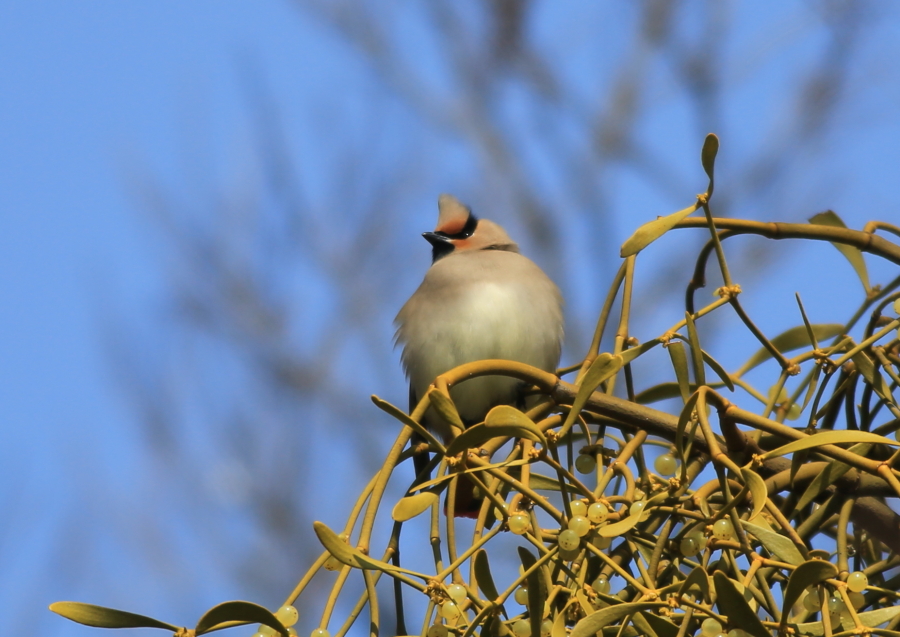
865, 241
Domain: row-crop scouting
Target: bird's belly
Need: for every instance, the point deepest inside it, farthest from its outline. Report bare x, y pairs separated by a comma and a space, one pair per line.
491, 322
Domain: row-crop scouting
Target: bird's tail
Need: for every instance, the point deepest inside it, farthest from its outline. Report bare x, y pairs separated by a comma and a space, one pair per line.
468, 501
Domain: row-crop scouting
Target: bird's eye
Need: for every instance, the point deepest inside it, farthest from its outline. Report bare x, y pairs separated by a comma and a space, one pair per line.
466, 231
469, 228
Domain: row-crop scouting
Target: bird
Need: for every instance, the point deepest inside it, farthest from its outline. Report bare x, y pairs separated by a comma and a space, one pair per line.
480, 299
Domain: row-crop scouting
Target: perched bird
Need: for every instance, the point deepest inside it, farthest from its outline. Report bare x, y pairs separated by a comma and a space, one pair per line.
480, 299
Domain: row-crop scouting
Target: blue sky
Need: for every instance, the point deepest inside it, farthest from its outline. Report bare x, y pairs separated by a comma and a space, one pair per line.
96, 97
90, 91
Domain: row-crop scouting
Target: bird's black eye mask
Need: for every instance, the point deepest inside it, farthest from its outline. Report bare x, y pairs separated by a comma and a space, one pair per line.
466, 232
440, 242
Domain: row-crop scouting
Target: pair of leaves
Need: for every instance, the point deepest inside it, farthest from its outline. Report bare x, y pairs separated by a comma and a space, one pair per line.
231, 613
501, 421
603, 367
351, 556
653, 230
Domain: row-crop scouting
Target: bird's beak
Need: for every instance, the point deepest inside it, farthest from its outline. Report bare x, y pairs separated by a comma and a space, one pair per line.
441, 246
437, 241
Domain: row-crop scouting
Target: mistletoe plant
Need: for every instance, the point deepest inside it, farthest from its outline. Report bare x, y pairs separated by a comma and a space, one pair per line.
768, 511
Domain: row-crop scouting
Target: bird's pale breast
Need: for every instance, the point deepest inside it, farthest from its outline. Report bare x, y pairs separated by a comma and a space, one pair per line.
506, 308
